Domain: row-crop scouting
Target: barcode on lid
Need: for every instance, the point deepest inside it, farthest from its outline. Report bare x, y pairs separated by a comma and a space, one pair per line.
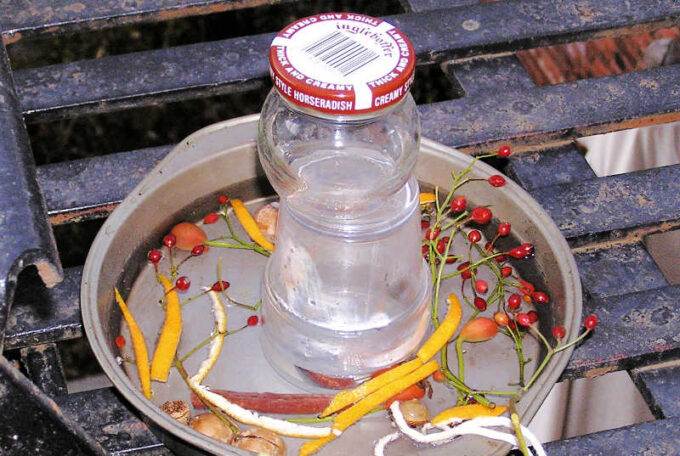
341, 52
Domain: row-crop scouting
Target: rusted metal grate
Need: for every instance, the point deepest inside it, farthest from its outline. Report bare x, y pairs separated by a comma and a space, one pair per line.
476, 44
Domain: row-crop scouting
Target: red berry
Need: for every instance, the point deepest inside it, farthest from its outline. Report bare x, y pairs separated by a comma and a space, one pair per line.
500, 258
432, 234
465, 270
474, 236
183, 283
481, 286
211, 218
503, 229
253, 320
425, 250
496, 180
222, 200
119, 341
522, 251
451, 259
154, 256
441, 245
540, 297
533, 316
424, 224
198, 250
526, 287
480, 303
506, 271
220, 285
559, 332
458, 204
169, 240
511, 324
504, 151
523, 319
591, 321
481, 215
514, 301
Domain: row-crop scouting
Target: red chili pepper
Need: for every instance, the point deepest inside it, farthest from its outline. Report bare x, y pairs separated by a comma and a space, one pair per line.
412, 392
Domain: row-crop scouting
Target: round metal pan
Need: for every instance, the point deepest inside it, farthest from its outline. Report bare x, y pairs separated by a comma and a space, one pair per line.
222, 159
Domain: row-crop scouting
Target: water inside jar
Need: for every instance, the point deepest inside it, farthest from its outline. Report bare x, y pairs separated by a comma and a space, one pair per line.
345, 182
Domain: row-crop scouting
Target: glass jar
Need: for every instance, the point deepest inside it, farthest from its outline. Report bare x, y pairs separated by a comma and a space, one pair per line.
345, 292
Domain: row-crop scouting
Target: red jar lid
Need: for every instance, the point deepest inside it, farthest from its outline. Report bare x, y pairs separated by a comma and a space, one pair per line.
342, 63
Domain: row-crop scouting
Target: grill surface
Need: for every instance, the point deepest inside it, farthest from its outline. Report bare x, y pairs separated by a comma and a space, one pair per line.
604, 219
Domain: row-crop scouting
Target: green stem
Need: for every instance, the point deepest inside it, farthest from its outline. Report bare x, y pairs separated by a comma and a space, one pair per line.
514, 418
228, 245
540, 368
573, 342
201, 344
230, 227
310, 419
519, 350
461, 362
472, 266
254, 308
460, 386
498, 393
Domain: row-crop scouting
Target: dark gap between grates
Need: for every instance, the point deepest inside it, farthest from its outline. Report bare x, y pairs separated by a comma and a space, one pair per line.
48, 50
101, 134
430, 84
74, 240
78, 359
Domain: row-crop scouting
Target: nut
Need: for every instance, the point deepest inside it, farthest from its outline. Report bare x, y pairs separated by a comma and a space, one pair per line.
261, 441
210, 425
178, 410
415, 413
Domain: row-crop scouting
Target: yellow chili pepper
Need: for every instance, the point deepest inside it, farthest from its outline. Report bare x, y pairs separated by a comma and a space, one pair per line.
426, 198
467, 412
250, 225
311, 447
353, 414
170, 333
138, 346
347, 397
444, 332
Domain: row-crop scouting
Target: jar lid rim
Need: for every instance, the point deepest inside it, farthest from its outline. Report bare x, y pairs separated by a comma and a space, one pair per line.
342, 63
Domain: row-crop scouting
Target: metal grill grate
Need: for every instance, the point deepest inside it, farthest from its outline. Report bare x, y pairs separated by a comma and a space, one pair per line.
474, 42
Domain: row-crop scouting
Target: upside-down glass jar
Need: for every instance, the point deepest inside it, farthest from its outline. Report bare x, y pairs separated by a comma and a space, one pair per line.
346, 290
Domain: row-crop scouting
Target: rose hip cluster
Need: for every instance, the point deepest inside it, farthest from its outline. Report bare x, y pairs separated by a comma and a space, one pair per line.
184, 236
511, 293
190, 237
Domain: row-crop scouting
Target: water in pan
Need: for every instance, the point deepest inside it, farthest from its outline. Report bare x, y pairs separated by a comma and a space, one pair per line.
243, 366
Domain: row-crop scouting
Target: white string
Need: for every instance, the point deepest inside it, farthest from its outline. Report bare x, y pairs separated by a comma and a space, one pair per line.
476, 426
379, 449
